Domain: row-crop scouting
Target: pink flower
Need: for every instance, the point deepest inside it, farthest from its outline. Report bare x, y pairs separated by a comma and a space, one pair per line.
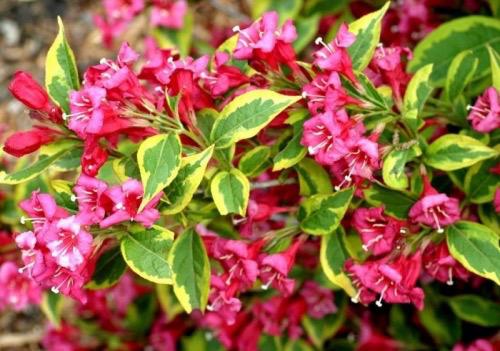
485, 114
434, 209
394, 282
225, 76
18, 291
222, 299
370, 339
88, 192
325, 93
378, 232
168, 13
440, 265
319, 300
334, 56
125, 200
281, 314
70, 245
388, 63
238, 259
496, 201
476, 345
41, 208
274, 269
88, 109
322, 135
265, 44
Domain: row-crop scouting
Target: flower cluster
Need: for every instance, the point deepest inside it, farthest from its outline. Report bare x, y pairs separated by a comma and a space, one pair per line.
241, 199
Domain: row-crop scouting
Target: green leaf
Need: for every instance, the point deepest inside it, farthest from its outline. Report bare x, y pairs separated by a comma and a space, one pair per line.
190, 175
247, 114
489, 217
441, 46
495, 66
321, 214
333, 255
477, 310
230, 191
291, 154
476, 247
109, 269
439, 320
460, 73
416, 94
52, 306
179, 39
31, 171
191, 271
480, 183
146, 253
159, 160
401, 328
125, 168
255, 161
452, 151
61, 74
287, 9
313, 179
396, 203
367, 30
64, 194
393, 169
307, 27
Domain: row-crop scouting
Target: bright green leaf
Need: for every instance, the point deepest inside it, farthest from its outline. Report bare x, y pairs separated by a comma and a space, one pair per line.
313, 179
321, 214
417, 92
255, 161
451, 38
61, 74
476, 309
230, 191
495, 67
460, 73
146, 253
452, 151
191, 271
393, 169
333, 255
367, 30
396, 203
159, 160
480, 182
247, 114
190, 175
52, 306
476, 247
291, 154
108, 270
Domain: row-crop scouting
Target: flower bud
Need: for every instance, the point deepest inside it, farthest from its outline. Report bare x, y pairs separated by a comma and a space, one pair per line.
29, 92
23, 143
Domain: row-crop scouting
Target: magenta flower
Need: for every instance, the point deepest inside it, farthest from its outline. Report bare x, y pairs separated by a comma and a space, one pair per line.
169, 13
334, 56
225, 76
476, 345
319, 300
485, 114
125, 200
88, 109
41, 208
69, 244
377, 231
264, 44
325, 93
238, 259
18, 291
440, 265
434, 209
94, 156
322, 135
394, 282
496, 201
88, 192
280, 315
274, 270
222, 299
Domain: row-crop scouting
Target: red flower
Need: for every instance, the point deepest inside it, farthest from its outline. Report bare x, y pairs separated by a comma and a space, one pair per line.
23, 143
